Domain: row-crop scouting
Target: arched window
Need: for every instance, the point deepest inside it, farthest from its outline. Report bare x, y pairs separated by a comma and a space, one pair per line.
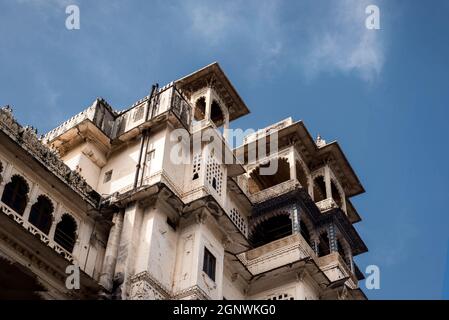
15, 194
216, 114
259, 182
65, 233
319, 189
272, 229
41, 214
200, 109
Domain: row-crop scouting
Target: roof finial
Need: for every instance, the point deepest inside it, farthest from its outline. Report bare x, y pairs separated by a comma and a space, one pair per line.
320, 141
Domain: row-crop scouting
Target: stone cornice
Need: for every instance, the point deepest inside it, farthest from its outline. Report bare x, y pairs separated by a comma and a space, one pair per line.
26, 138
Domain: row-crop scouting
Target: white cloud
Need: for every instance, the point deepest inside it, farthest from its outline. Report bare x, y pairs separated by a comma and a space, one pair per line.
253, 25
344, 44
330, 39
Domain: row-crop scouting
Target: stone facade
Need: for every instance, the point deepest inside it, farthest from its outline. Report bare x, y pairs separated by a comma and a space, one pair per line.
102, 191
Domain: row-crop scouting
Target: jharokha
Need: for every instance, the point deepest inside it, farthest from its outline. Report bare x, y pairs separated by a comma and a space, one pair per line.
100, 193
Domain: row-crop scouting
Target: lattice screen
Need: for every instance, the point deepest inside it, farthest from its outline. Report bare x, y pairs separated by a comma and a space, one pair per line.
196, 166
214, 174
239, 221
284, 296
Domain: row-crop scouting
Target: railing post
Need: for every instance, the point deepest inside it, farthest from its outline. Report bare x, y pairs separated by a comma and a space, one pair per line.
56, 218
6, 177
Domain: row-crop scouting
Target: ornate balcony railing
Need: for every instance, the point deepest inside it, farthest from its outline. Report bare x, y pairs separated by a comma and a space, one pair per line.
274, 191
27, 138
275, 254
35, 231
89, 113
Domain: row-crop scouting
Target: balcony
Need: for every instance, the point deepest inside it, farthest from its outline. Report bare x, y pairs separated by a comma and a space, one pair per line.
45, 239
276, 254
326, 205
274, 191
337, 270
99, 113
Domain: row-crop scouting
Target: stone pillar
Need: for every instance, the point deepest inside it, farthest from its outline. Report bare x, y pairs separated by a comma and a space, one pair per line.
126, 252
147, 233
332, 238
208, 103
6, 176
226, 128
56, 218
292, 160
327, 181
110, 257
32, 199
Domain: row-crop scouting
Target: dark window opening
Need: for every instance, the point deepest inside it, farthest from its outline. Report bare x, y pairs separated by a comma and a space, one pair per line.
304, 231
301, 175
216, 114
41, 214
274, 228
209, 264
195, 176
200, 109
65, 233
336, 195
258, 182
323, 247
15, 194
342, 252
171, 223
319, 189
214, 183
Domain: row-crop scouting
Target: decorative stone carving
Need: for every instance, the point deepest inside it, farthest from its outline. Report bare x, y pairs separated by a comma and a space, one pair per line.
145, 287
27, 138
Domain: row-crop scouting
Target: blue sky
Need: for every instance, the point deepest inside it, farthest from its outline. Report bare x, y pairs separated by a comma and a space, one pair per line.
383, 94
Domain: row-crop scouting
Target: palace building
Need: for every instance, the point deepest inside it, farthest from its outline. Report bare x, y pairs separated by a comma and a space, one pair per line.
101, 192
